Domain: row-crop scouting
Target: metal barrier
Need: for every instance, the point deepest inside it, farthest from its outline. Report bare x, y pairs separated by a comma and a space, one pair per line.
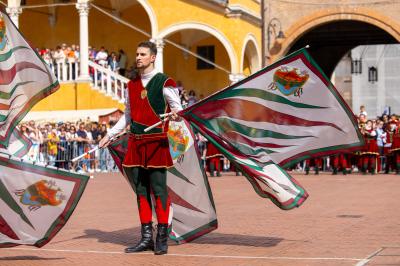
59, 154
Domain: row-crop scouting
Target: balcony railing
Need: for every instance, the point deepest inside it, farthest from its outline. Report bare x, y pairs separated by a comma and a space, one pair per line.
103, 78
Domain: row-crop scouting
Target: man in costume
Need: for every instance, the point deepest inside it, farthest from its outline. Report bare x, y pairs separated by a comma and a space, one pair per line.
370, 152
150, 94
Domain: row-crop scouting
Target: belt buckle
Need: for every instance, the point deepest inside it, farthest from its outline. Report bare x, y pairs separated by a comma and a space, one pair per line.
138, 137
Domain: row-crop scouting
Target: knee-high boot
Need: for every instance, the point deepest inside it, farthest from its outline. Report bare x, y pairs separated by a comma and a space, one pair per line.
146, 242
161, 246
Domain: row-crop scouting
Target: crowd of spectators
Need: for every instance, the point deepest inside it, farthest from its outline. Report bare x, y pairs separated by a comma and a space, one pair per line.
56, 144
65, 54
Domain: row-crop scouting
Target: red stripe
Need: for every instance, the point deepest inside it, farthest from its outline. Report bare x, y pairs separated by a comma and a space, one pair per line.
7, 76
178, 200
6, 229
4, 107
254, 112
236, 137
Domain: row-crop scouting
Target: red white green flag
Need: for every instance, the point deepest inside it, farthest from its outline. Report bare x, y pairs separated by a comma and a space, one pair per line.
19, 145
192, 212
35, 201
285, 113
25, 78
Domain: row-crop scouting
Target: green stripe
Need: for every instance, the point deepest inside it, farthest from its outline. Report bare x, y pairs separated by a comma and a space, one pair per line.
247, 150
40, 95
222, 125
4, 57
210, 225
178, 174
3, 118
7, 95
8, 199
265, 95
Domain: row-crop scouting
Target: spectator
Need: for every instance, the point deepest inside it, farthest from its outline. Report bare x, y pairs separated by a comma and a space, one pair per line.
113, 62
82, 139
101, 57
59, 55
192, 98
362, 111
122, 62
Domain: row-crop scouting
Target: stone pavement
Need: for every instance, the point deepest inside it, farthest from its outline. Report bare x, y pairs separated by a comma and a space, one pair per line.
345, 221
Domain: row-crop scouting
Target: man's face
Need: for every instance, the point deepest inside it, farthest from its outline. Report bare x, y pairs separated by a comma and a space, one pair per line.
144, 58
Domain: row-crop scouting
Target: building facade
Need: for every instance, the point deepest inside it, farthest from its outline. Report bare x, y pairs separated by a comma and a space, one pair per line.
228, 33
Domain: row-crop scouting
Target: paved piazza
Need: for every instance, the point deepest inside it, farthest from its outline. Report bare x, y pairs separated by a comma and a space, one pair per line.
347, 220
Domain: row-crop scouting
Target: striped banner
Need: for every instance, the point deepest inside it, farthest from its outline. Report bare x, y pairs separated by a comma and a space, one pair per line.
192, 212
19, 145
283, 114
35, 201
25, 78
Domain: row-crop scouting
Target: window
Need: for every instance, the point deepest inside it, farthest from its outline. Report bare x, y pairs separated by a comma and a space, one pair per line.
208, 52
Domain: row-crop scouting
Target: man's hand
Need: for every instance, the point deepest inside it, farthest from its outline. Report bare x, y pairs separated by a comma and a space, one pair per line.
104, 142
174, 117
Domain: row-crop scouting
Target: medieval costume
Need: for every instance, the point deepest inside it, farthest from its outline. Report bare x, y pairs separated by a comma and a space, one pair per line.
370, 152
390, 163
395, 149
339, 163
213, 157
148, 156
316, 162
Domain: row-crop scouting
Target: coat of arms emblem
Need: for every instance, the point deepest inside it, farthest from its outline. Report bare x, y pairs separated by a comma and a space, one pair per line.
40, 194
3, 36
289, 81
178, 139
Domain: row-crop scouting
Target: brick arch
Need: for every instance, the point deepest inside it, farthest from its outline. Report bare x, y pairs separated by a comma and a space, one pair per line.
321, 17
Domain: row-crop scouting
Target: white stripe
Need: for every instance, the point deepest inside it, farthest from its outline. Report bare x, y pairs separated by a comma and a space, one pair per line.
186, 255
21, 55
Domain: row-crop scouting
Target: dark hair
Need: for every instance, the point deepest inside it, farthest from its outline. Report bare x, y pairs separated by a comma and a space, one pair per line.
151, 45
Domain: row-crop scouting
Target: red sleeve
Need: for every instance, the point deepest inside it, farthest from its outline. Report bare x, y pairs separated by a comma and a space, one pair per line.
170, 83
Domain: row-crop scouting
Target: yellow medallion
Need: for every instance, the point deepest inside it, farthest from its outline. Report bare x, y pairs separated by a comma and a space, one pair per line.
143, 94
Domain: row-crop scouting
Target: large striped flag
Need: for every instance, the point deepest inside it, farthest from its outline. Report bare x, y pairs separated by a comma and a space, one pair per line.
192, 212
285, 113
35, 201
25, 78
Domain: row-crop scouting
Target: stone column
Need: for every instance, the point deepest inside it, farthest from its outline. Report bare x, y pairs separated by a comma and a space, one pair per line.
83, 9
14, 12
159, 64
236, 77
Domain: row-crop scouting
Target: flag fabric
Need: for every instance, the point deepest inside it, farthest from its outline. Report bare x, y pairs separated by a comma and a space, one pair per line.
25, 78
192, 212
283, 114
35, 201
19, 145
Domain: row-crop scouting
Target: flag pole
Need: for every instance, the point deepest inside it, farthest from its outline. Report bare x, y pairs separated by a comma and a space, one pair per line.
95, 149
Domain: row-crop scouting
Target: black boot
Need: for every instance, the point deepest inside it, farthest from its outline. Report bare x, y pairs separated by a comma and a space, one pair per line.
212, 169
335, 170
146, 243
161, 247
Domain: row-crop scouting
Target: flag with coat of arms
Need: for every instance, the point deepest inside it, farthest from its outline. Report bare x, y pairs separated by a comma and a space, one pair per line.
35, 201
275, 118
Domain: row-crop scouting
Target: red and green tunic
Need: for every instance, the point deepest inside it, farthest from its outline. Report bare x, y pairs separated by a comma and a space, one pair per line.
148, 149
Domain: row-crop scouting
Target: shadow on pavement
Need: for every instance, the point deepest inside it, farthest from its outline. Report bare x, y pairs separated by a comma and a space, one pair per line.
238, 240
131, 236
28, 258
